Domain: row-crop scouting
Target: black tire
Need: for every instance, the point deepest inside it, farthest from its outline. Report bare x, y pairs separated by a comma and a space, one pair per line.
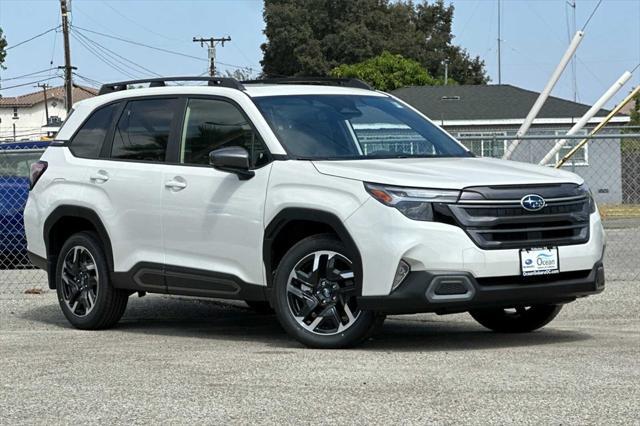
359, 326
109, 303
260, 307
522, 320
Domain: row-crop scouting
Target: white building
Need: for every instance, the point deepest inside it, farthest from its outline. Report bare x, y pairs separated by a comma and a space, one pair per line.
23, 117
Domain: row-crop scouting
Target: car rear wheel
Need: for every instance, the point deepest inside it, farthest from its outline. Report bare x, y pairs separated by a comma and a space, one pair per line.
521, 319
315, 295
85, 294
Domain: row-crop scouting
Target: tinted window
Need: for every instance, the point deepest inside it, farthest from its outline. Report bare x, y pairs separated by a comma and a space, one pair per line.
87, 143
212, 124
142, 132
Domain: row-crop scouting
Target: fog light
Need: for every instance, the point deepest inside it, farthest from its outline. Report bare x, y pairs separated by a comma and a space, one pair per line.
401, 273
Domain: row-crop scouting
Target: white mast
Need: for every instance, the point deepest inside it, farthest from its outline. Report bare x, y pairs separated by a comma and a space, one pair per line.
588, 115
537, 106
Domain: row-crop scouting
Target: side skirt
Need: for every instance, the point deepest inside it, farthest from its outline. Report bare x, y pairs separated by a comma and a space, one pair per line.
169, 279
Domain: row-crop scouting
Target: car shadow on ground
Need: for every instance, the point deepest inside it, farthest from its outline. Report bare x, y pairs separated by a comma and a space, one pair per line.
232, 321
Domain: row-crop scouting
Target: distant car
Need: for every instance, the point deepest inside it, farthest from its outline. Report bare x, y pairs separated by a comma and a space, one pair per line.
15, 162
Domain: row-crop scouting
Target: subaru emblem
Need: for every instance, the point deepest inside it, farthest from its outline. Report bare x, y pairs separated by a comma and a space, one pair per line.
532, 202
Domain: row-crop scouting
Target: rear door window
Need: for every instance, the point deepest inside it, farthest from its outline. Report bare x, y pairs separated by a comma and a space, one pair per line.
142, 132
88, 141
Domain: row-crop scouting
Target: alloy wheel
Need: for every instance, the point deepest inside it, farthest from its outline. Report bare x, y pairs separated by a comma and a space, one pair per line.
321, 293
79, 281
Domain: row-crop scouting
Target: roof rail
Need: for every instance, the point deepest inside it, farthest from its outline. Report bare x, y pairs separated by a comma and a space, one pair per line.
324, 81
161, 82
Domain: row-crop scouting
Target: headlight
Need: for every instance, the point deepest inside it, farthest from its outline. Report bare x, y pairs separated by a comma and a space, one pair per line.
414, 203
584, 188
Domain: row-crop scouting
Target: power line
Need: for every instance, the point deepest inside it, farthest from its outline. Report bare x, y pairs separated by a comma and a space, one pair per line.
160, 49
116, 55
88, 80
83, 89
27, 75
32, 38
136, 22
30, 83
591, 16
142, 44
101, 57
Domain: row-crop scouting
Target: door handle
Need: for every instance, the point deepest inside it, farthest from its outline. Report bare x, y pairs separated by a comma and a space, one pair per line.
176, 184
100, 177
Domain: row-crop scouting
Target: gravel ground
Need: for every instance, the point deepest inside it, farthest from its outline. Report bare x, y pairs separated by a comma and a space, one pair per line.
177, 360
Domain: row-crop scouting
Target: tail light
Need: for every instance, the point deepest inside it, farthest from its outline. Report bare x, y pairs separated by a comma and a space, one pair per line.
37, 170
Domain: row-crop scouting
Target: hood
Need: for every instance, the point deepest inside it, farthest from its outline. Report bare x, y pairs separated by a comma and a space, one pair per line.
445, 173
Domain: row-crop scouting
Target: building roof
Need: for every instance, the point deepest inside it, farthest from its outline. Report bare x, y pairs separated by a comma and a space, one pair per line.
30, 99
486, 102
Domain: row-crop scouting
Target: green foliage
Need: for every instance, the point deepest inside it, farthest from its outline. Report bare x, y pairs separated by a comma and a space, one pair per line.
3, 52
312, 37
387, 72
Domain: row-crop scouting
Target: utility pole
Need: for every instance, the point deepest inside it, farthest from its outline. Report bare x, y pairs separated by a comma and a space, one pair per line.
46, 106
499, 43
446, 71
64, 10
211, 43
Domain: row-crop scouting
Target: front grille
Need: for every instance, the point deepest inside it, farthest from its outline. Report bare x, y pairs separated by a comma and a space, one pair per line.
495, 222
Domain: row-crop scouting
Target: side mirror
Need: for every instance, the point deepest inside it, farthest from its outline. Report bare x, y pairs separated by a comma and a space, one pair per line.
233, 159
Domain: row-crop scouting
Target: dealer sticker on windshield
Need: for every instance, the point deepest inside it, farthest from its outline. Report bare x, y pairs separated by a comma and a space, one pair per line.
539, 261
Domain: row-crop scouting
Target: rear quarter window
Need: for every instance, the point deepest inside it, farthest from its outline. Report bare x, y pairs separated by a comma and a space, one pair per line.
88, 141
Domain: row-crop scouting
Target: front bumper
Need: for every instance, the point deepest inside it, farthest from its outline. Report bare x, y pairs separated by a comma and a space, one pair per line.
385, 236
453, 292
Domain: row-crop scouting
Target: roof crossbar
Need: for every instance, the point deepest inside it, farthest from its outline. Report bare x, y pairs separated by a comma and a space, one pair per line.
324, 81
231, 83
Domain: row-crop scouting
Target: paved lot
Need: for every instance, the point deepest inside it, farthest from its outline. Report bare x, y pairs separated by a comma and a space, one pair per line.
175, 360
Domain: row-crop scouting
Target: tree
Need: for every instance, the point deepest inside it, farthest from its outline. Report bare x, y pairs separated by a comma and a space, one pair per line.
3, 52
239, 74
387, 72
312, 37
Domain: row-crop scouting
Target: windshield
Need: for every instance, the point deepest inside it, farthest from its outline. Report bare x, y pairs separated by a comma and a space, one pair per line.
343, 127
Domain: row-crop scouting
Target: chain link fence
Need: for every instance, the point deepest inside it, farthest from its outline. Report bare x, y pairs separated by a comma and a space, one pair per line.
609, 163
17, 276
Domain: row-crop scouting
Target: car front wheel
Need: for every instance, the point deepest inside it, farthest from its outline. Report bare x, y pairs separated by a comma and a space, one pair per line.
315, 295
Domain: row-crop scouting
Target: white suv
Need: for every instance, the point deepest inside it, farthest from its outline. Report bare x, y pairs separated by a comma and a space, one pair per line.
326, 201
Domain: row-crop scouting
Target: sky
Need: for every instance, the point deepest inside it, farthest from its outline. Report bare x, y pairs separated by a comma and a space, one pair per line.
535, 34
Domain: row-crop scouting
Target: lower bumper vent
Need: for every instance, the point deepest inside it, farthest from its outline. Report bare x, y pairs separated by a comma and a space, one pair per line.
450, 288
